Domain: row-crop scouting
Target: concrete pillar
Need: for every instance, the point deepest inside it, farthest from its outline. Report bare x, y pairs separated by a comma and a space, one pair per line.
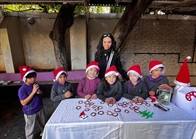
78, 43
1, 14
11, 44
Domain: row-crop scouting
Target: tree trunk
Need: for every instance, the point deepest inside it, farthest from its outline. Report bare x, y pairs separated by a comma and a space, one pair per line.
63, 21
128, 20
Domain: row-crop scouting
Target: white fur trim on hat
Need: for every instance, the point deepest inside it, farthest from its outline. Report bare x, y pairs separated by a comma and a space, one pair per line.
158, 66
111, 72
134, 72
24, 77
57, 76
92, 66
188, 57
181, 84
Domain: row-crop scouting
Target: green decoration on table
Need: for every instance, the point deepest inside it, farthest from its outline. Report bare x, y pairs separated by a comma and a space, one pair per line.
146, 114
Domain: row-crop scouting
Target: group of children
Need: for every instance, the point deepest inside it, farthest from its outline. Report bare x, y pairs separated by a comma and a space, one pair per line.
109, 90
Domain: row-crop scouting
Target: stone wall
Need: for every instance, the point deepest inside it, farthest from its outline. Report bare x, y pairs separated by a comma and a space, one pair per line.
38, 47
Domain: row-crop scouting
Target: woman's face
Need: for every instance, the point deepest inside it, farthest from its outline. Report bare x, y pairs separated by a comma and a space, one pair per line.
107, 43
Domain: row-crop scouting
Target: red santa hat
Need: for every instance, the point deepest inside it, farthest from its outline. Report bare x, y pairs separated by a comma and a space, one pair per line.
24, 71
58, 72
135, 69
183, 77
111, 70
154, 64
92, 64
83, 115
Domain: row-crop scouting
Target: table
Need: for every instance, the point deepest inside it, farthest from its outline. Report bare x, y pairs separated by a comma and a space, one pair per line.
65, 122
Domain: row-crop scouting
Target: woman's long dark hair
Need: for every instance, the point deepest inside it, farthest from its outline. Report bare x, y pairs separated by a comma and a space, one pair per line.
100, 44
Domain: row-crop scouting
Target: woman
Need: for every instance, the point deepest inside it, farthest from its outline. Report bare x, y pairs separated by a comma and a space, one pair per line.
105, 48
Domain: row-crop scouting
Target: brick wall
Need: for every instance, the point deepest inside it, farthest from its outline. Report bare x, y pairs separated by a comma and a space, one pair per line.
172, 40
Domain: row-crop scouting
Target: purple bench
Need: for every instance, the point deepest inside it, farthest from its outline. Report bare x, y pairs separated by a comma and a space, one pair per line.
43, 76
45, 79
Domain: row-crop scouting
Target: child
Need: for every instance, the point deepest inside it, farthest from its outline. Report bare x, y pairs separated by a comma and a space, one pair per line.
31, 99
135, 89
156, 80
88, 85
110, 89
61, 89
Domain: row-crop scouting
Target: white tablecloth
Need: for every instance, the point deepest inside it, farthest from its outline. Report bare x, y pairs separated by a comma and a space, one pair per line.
65, 122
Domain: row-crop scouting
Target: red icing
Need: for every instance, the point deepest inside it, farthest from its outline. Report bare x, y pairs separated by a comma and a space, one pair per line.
153, 98
189, 95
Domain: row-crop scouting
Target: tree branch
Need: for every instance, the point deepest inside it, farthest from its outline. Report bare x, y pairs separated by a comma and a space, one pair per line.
128, 20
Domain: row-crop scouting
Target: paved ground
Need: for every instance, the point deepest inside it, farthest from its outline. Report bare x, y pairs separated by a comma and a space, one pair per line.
11, 116
12, 120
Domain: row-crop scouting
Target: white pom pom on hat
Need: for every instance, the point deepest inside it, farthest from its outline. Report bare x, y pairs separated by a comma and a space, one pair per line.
188, 57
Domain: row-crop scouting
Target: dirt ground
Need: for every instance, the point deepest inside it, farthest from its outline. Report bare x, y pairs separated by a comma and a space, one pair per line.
12, 120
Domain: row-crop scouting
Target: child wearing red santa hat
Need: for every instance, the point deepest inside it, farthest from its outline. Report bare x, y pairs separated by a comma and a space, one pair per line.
135, 88
61, 89
31, 99
110, 89
155, 80
87, 87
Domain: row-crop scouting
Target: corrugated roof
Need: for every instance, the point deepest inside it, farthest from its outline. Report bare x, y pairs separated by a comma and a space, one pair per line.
183, 7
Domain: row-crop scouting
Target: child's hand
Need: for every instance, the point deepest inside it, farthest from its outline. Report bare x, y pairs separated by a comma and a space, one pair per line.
113, 100
140, 100
151, 93
94, 96
87, 97
165, 86
134, 100
39, 92
68, 94
35, 88
107, 100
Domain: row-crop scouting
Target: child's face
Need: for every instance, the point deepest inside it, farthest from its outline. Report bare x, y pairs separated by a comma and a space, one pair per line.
31, 80
156, 73
107, 43
92, 73
133, 78
62, 78
111, 78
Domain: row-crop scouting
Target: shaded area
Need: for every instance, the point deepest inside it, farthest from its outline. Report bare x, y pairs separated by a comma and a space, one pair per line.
12, 121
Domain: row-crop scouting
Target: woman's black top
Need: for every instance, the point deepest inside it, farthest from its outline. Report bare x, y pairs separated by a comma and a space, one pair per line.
103, 58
